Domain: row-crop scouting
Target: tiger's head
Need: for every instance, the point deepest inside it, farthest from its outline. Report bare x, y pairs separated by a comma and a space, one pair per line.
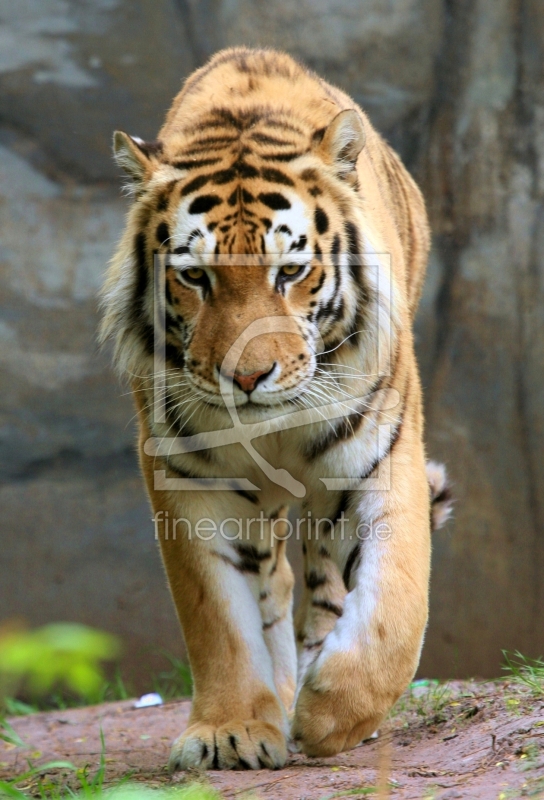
256, 218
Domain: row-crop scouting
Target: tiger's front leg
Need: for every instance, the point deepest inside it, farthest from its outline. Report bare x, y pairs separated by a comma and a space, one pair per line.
225, 591
361, 627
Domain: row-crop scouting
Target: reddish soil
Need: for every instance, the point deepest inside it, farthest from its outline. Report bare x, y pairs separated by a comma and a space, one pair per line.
467, 740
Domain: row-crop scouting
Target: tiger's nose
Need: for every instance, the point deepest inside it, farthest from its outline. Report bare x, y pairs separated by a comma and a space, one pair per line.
247, 383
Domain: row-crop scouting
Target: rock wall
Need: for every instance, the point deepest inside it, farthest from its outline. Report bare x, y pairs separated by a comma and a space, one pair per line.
458, 88
481, 163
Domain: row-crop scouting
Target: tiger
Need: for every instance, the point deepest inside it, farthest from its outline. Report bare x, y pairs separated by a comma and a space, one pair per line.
260, 303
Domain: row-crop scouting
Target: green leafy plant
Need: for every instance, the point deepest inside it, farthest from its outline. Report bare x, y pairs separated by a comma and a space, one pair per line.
61, 654
66, 657
65, 654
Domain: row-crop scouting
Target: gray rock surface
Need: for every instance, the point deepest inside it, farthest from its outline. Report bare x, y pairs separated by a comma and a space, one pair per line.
482, 169
458, 88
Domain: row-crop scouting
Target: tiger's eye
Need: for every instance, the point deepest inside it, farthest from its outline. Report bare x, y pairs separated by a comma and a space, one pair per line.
194, 273
290, 269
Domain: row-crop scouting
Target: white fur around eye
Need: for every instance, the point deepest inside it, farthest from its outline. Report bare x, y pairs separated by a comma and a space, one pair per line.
187, 223
297, 219
277, 242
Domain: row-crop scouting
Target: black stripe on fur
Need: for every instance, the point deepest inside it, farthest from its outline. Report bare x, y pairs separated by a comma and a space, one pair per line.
326, 605
349, 565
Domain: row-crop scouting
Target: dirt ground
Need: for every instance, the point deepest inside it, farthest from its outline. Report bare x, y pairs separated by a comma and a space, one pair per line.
459, 740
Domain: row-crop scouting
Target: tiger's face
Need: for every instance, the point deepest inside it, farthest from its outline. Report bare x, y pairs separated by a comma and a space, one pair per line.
229, 280
258, 271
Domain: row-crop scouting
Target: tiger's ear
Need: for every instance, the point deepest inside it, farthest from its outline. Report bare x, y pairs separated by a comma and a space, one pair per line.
134, 156
341, 143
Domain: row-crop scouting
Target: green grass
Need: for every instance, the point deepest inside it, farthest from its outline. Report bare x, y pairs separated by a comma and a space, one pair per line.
18, 708
8, 734
175, 682
433, 702
93, 786
528, 672
425, 698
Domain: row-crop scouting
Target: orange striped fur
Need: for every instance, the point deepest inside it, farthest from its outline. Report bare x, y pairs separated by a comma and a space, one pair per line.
277, 209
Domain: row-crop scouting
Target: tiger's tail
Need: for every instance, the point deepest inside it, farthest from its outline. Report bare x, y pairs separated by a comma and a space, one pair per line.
441, 494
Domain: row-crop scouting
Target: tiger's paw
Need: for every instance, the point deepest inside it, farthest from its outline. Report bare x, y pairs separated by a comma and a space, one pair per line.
342, 702
249, 744
325, 723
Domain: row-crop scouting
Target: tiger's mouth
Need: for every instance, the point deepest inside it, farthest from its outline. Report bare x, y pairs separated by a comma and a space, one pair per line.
227, 394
